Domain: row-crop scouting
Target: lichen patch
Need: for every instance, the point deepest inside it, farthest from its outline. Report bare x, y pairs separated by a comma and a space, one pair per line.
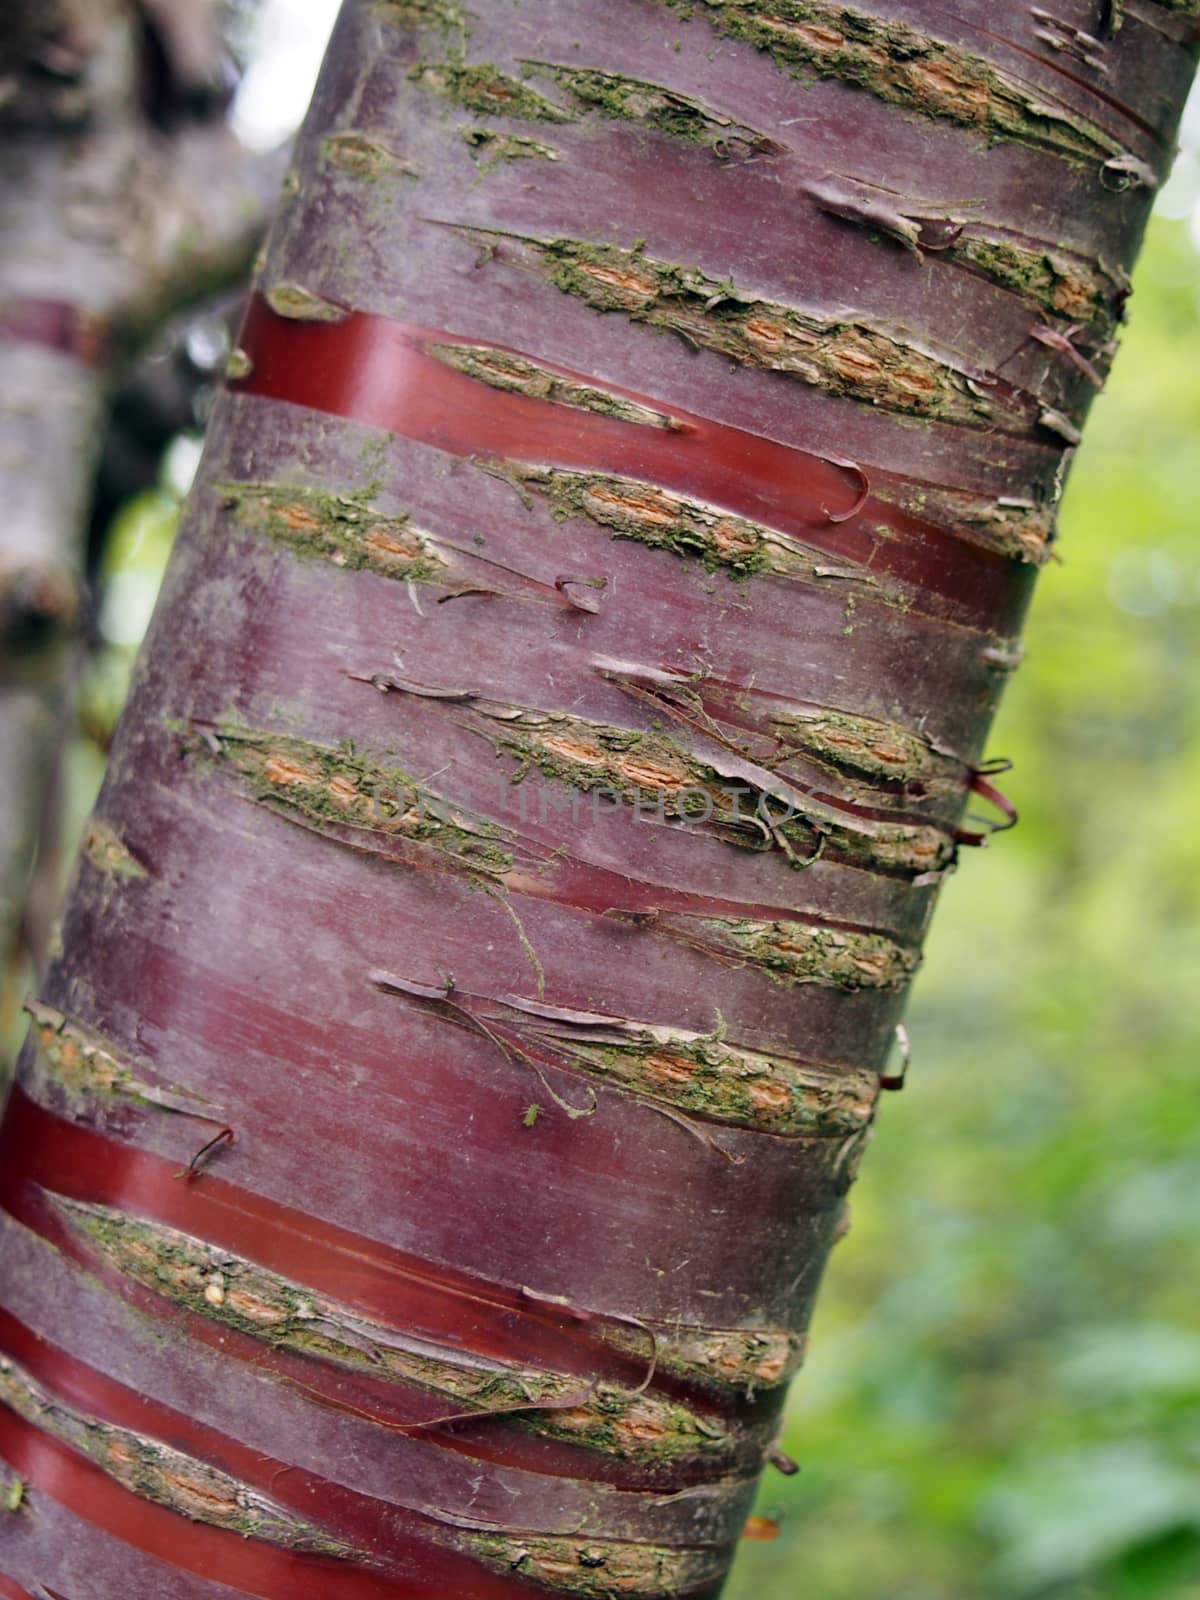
884, 368
335, 789
596, 1568
717, 540
904, 67
487, 91
343, 529
241, 1295
799, 953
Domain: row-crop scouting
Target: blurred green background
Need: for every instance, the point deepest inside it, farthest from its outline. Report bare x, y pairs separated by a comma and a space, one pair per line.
1003, 1395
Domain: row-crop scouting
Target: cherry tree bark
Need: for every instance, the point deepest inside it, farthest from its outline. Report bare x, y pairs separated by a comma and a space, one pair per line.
476, 991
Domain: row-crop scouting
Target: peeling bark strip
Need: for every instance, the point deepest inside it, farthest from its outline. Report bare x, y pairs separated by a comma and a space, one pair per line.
703, 1075
76, 1064
1089, 293
503, 370
545, 1115
74, 1164
905, 67
678, 116
367, 157
343, 787
666, 521
376, 371
161, 1474
652, 772
287, 1316
798, 954
843, 357
599, 1569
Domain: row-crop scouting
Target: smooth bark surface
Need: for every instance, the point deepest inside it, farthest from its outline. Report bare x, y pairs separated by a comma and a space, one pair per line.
560, 714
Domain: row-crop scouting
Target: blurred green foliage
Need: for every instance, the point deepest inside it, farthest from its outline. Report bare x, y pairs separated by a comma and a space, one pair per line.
1003, 1395
1003, 1398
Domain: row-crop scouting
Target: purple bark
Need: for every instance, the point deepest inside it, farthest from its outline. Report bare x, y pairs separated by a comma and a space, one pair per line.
557, 723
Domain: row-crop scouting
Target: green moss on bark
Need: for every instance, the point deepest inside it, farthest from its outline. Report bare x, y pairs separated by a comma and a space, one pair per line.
490, 148
738, 1360
1064, 285
487, 91
869, 748
652, 771
652, 105
903, 67
717, 540
706, 1077
343, 529
105, 850
341, 789
842, 356
251, 1300
167, 1477
366, 156
76, 1065
797, 952
300, 304
599, 1569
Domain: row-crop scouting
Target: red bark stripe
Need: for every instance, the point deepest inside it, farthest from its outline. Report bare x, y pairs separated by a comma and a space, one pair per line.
209, 1551
374, 370
39, 1149
241, 1564
13, 1591
404, 1410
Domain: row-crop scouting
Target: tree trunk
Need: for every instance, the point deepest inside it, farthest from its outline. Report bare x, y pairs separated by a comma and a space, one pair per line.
556, 725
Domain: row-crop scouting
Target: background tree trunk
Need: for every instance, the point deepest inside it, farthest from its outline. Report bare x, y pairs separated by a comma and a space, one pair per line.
476, 989
125, 196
